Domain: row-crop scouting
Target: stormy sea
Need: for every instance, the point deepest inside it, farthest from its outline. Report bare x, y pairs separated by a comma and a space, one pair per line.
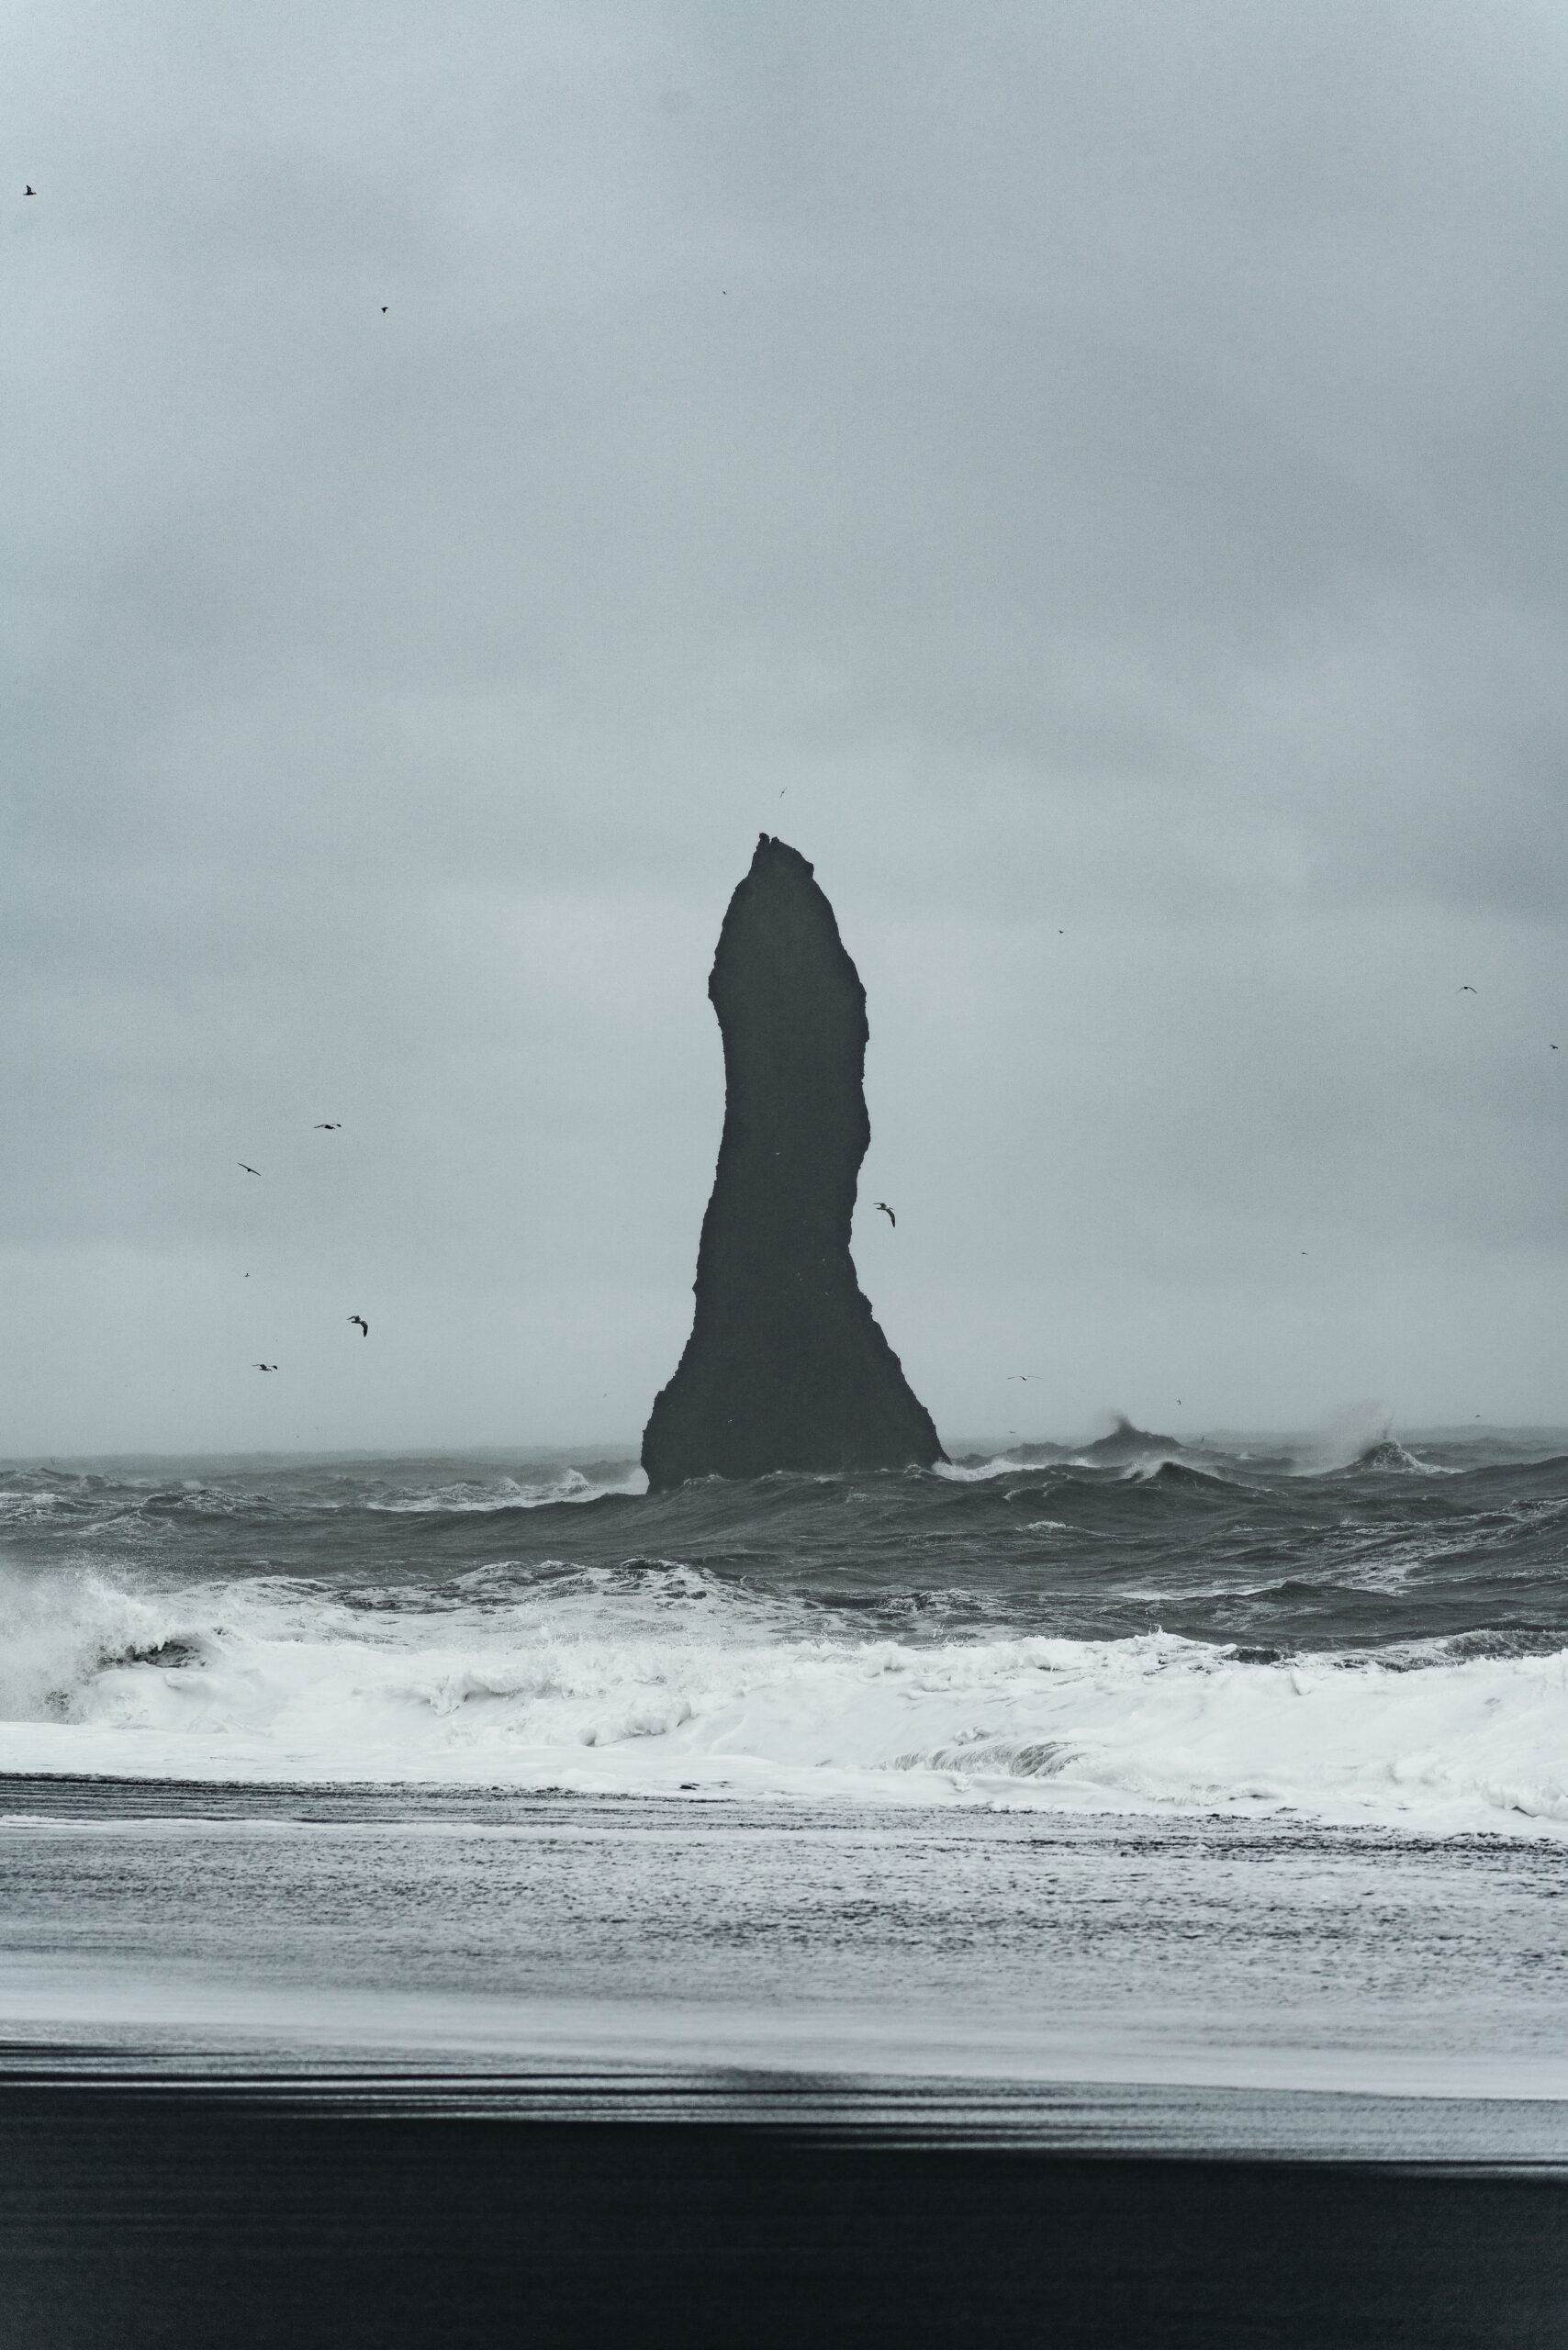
1086, 1895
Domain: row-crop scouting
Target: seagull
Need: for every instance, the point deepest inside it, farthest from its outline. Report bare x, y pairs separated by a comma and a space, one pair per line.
384, 309
886, 1211
266, 1366
363, 1322
1025, 1375
249, 1171
1467, 988
29, 191
328, 1125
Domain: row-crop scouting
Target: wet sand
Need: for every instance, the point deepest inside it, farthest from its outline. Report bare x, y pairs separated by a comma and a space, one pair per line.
348, 2068
135, 2215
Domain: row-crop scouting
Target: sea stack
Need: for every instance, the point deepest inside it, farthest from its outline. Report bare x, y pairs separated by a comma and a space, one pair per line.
785, 1367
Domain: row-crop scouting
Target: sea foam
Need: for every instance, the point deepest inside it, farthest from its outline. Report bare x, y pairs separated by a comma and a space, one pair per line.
657, 1677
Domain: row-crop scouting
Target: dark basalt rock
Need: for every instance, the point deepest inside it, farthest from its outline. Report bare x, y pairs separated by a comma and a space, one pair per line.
1127, 1443
785, 1367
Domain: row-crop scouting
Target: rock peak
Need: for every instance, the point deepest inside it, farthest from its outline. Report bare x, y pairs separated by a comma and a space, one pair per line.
769, 844
786, 1367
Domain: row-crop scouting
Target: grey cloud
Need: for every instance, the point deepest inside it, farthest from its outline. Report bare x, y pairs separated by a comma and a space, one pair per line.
1101, 465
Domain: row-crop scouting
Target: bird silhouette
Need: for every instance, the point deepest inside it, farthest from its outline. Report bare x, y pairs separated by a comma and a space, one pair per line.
266, 1366
1025, 1375
1467, 988
886, 1211
328, 1125
29, 191
364, 1325
249, 1171
384, 309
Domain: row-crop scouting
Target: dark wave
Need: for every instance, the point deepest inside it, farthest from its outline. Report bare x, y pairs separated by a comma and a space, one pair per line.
1238, 1547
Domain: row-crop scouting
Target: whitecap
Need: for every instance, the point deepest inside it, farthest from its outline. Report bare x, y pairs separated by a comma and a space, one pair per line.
656, 1675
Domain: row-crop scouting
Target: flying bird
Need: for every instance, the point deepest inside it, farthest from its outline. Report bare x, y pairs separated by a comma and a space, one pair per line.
886, 1211
328, 1125
1025, 1375
266, 1366
29, 191
384, 309
1467, 988
249, 1171
363, 1322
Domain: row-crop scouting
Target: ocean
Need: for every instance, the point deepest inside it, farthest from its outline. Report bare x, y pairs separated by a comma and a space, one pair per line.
1246, 1630
1184, 1805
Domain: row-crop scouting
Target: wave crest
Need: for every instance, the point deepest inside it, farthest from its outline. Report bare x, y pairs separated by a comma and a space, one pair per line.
654, 1675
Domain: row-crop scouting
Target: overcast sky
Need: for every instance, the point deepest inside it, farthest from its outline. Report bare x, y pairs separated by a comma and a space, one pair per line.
1091, 476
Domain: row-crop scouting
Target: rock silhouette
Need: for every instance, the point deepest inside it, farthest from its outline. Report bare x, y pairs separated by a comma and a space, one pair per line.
1127, 1443
785, 1367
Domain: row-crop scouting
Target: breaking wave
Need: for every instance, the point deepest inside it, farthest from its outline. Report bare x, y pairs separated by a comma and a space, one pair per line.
655, 1677
1351, 1629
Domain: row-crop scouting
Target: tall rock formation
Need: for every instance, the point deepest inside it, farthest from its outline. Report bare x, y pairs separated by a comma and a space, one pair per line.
785, 1367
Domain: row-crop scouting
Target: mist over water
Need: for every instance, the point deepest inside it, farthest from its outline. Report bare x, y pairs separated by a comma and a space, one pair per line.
1356, 1628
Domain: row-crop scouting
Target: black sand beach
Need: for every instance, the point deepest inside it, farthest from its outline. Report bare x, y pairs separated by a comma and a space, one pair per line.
131, 2217
437, 1910
300, 2066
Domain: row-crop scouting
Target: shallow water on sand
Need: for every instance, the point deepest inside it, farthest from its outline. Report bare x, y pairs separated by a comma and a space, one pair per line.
1346, 1991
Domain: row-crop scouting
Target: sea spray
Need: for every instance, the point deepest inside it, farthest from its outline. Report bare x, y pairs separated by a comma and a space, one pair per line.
652, 1677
